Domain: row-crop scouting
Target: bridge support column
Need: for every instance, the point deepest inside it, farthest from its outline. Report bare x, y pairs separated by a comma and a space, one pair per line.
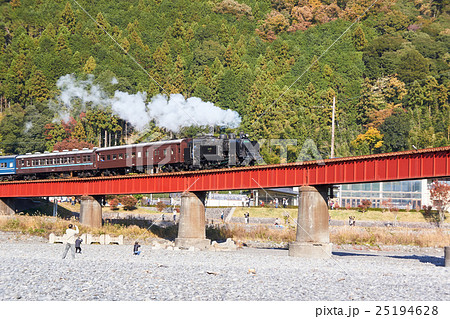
191, 228
7, 206
91, 211
313, 237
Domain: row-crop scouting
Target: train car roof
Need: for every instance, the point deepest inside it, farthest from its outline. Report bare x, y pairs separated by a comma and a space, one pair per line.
139, 145
63, 153
8, 157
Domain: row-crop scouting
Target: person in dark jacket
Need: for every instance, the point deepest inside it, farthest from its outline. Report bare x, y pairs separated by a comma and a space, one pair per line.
136, 248
78, 242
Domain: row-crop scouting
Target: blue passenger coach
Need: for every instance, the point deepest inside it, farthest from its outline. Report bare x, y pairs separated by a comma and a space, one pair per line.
8, 165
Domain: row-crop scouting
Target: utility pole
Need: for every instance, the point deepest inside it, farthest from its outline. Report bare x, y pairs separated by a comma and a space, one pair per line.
332, 128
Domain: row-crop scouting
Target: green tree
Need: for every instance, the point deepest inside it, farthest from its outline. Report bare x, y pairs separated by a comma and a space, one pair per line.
395, 130
359, 39
11, 127
412, 66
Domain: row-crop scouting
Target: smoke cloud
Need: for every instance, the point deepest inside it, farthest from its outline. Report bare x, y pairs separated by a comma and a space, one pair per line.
172, 113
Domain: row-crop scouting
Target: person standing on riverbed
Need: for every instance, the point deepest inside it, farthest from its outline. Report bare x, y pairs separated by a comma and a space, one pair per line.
136, 248
78, 245
70, 240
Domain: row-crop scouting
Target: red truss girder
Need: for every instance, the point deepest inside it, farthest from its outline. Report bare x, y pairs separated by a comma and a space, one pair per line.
427, 163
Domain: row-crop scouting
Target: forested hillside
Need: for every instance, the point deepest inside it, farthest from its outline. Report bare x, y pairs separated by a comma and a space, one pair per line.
278, 63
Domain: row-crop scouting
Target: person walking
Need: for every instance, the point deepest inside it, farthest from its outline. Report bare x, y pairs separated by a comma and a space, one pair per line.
78, 245
174, 215
136, 248
70, 240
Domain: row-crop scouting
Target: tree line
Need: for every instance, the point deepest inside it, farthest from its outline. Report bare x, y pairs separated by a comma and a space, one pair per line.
278, 63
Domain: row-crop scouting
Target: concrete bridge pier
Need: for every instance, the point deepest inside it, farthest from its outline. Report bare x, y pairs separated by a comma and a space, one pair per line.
91, 211
7, 206
313, 236
191, 227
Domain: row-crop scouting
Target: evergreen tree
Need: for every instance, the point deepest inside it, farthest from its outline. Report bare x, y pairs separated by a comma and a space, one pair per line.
90, 65
68, 18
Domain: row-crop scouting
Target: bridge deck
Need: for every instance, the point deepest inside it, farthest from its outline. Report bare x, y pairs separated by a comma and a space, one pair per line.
425, 163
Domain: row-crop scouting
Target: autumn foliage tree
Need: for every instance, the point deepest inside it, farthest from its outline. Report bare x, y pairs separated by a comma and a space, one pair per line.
114, 204
371, 140
129, 202
440, 196
364, 206
70, 144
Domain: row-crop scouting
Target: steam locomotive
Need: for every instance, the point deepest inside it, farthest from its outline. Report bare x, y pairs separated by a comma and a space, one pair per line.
189, 154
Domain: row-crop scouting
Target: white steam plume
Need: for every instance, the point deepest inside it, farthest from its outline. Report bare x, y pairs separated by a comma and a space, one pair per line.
171, 113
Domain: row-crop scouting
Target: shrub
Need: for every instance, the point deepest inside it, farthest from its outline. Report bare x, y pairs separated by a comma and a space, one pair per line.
114, 203
128, 202
365, 204
160, 206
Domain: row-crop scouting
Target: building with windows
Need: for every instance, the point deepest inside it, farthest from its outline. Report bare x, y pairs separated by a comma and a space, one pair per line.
412, 193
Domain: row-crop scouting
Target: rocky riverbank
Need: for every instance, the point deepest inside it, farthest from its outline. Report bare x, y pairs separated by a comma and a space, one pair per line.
31, 269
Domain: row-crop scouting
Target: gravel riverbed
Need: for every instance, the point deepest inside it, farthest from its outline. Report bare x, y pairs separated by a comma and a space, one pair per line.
32, 269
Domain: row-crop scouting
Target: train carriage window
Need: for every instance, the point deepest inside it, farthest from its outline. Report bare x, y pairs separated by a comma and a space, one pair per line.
10, 164
127, 155
146, 153
2, 164
72, 160
114, 157
108, 157
133, 155
22, 163
121, 156
139, 154
157, 153
102, 158
171, 151
89, 158
78, 159
165, 152
28, 163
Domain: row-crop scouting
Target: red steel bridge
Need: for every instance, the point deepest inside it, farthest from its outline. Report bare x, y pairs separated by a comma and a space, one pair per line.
417, 164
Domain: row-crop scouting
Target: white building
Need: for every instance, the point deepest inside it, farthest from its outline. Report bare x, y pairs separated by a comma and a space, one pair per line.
412, 193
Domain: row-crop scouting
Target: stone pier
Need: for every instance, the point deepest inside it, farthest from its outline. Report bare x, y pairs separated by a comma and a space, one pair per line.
7, 206
313, 236
91, 211
191, 227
